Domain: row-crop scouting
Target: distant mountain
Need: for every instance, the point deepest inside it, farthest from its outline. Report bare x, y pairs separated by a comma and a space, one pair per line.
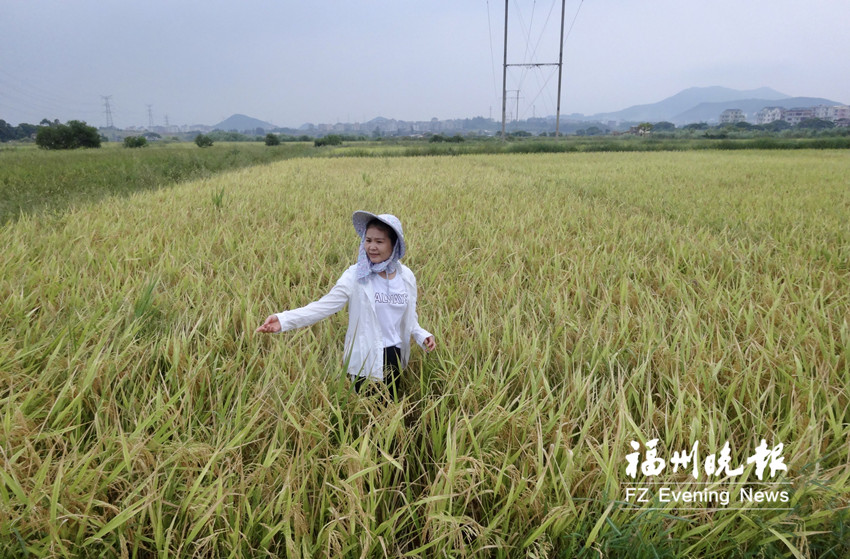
684, 101
241, 123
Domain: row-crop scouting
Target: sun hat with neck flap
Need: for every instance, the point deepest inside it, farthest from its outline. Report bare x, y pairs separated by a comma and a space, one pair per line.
365, 267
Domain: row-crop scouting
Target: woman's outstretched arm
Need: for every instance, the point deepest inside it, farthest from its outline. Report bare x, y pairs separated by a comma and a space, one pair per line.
331, 303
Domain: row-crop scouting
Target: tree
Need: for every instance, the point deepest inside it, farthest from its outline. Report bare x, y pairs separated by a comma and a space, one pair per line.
26, 131
664, 126
7, 131
815, 124
75, 134
232, 136
203, 141
456, 139
329, 140
135, 142
776, 126
272, 139
84, 136
644, 128
53, 137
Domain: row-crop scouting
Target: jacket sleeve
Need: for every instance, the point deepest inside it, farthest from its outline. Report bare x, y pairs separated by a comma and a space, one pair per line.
419, 333
331, 303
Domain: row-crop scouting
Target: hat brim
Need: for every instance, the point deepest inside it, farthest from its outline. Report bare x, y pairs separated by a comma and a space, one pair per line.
360, 219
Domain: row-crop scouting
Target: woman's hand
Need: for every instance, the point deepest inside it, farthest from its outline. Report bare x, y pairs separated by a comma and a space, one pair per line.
272, 324
430, 343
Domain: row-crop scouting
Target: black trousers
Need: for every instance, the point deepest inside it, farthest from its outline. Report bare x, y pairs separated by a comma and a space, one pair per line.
392, 371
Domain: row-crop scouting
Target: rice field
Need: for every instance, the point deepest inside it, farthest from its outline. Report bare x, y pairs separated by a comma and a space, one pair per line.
589, 308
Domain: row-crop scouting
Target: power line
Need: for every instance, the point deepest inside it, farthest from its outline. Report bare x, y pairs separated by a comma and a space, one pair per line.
545, 25
575, 17
20, 95
30, 90
527, 29
543, 88
492, 54
537, 44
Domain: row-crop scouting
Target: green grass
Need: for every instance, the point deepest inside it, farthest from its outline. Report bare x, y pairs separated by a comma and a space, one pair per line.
580, 301
33, 180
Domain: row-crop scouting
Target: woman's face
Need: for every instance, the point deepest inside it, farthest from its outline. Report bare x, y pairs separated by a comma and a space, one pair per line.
378, 245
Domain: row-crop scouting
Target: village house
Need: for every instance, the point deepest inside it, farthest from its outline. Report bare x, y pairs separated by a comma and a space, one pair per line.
769, 114
835, 113
798, 115
731, 116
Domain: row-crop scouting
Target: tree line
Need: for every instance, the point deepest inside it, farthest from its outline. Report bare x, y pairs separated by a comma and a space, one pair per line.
53, 135
23, 131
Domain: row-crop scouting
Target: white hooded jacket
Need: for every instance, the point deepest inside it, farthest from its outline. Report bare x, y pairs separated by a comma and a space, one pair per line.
364, 348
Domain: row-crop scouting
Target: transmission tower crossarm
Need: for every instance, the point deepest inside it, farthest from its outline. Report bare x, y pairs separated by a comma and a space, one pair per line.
534, 64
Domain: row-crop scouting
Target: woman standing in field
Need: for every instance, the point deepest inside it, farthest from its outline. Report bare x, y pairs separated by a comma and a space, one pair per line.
381, 295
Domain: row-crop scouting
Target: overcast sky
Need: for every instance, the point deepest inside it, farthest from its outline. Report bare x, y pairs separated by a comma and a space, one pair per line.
291, 62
